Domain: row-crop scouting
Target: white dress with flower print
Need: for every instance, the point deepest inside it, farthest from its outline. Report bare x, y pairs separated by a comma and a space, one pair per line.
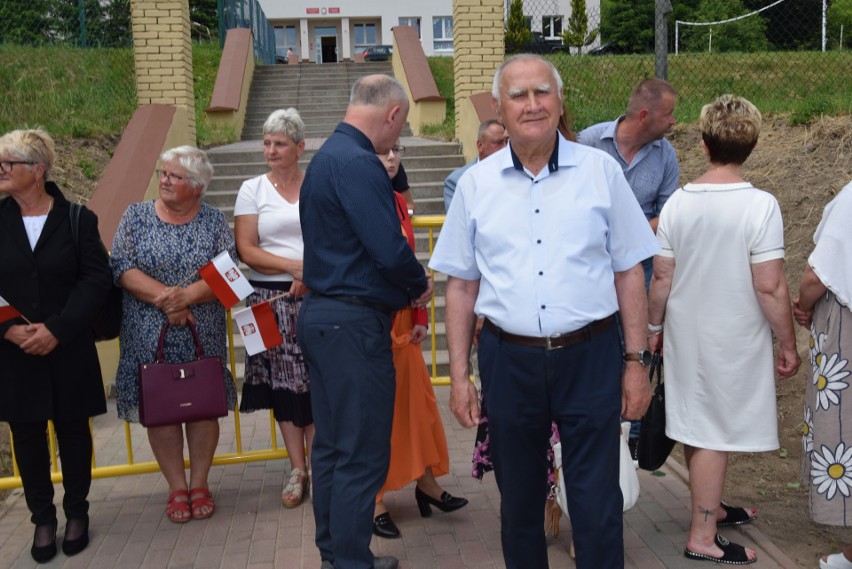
827, 437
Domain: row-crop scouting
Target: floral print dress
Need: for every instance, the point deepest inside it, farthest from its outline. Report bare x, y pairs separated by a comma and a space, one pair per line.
170, 254
827, 440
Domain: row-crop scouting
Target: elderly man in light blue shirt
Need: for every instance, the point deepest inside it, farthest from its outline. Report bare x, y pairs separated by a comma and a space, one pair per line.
544, 240
636, 140
490, 137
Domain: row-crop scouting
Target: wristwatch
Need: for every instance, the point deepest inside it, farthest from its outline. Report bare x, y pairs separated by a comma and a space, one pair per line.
644, 357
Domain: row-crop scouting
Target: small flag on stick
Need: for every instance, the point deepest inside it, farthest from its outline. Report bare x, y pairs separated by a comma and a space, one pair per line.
228, 283
258, 328
7, 312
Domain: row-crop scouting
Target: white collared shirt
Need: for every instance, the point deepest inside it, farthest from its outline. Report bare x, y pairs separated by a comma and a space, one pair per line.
545, 248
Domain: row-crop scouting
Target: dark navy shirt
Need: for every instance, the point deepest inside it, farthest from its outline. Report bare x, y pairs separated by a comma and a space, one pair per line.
353, 241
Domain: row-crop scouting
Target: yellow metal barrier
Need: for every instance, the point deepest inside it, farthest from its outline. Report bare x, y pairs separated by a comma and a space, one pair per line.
131, 467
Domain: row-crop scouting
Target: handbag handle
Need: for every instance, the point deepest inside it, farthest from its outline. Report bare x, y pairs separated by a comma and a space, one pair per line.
656, 367
161, 343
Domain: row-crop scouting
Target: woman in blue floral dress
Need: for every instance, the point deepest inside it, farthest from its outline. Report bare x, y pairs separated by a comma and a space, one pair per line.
156, 254
823, 305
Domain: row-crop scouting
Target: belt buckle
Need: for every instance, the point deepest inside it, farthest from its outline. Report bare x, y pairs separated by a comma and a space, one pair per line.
548, 346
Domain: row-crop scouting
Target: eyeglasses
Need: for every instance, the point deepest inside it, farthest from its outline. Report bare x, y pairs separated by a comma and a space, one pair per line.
7, 165
398, 150
173, 178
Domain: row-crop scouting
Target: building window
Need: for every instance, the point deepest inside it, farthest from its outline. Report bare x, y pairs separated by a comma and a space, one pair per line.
551, 26
414, 22
365, 36
285, 36
442, 32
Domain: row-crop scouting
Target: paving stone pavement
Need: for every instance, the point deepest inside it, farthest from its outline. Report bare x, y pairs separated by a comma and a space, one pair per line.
251, 529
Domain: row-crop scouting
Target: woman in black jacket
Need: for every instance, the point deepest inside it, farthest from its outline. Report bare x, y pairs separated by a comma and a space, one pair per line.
49, 364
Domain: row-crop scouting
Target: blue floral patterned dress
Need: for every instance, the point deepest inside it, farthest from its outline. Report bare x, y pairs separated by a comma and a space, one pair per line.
168, 253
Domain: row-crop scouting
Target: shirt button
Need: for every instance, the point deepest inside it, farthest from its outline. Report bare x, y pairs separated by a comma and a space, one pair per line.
543, 307
536, 211
541, 272
538, 241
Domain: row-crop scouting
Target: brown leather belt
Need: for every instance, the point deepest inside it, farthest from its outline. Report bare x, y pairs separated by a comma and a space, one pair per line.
558, 341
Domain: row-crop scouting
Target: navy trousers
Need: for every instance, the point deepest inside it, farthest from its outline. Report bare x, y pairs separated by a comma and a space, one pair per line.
578, 387
32, 455
348, 351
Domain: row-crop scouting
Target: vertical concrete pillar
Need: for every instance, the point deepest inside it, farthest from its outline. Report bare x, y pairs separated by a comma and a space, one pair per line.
162, 48
477, 52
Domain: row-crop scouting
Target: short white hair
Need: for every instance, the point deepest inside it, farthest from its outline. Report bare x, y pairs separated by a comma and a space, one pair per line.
198, 168
286, 122
498, 75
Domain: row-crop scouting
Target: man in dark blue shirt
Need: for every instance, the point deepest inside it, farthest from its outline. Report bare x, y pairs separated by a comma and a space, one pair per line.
360, 269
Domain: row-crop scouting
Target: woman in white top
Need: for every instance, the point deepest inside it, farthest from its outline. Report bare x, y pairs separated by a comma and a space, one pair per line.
269, 240
719, 283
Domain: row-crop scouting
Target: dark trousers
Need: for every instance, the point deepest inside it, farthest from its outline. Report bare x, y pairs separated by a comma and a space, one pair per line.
578, 387
348, 351
33, 457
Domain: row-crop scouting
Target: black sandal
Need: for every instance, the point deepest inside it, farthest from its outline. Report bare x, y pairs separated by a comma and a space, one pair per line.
736, 516
732, 553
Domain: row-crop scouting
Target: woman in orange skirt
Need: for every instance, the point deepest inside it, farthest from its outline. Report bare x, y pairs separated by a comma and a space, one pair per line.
418, 442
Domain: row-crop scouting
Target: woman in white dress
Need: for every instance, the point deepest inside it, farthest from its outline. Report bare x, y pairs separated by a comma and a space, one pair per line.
719, 293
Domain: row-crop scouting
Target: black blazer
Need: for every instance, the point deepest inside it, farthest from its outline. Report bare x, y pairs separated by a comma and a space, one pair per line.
54, 285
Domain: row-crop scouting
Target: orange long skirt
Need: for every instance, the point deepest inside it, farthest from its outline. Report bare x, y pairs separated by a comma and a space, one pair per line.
418, 439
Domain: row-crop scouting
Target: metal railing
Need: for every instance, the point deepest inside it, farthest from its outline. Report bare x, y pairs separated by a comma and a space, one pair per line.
240, 455
248, 14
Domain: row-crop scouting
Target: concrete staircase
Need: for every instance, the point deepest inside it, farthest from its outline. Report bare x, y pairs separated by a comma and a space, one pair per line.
427, 162
319, 92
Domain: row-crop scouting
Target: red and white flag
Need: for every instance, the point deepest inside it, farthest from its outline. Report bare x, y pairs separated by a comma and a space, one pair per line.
7, 312
258, 328
229, 284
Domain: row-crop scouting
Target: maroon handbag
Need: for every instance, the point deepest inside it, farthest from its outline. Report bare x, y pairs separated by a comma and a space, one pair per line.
170, 394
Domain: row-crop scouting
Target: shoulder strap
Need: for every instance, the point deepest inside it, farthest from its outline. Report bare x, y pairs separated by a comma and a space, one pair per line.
74, 213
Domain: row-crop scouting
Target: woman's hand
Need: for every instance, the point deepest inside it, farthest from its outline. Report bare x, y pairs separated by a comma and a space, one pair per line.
418, 334
172, 300
803, 317
298, 289
181, 317
18, 334
40, 341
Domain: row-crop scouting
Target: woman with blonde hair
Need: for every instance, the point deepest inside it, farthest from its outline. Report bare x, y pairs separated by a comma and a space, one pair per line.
50, 366
269, 240
719, 293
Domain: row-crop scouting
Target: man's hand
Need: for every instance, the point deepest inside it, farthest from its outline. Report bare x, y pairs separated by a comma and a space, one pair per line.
635, 391
464, 403
298, 289
424, 298
788, 362
478, 330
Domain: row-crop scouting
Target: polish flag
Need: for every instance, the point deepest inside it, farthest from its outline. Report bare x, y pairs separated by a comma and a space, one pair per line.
258, 328
228, 283
6, 311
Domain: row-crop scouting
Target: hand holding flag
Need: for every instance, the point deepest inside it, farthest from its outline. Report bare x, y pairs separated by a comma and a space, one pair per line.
258, 328
7, 311
226, 280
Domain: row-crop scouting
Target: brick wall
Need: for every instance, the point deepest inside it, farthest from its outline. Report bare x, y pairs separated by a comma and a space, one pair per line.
477, 47
163, 52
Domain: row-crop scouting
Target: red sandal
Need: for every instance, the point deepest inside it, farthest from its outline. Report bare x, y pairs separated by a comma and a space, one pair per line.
178, 510
201, 498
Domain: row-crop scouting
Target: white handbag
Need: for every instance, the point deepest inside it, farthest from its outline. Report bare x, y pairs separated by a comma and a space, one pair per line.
627, 477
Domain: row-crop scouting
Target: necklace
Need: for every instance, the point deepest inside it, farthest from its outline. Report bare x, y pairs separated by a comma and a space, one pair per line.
273, 176
174, 213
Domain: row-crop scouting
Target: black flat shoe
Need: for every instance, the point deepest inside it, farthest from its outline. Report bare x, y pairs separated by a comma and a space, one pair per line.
44, 553
447, 503
383, 526
77, 544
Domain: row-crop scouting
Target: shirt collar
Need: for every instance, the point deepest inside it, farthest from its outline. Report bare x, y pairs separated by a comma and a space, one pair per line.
360, 138
552, 162
609, 132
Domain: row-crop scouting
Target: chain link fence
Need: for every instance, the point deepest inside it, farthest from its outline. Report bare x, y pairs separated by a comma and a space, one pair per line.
249, 14
787, 56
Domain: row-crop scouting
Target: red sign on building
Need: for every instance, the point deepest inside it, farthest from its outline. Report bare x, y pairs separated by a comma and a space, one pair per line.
334, 10
312, 10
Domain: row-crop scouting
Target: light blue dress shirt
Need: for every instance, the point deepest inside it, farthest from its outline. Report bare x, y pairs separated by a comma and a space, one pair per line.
545, 248
652, 174
451, 182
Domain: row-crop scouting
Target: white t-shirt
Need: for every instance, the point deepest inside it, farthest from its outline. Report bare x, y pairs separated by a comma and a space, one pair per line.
278, 229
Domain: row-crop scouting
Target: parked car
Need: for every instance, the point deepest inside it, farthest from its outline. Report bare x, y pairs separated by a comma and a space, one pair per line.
541, 44
378, 53
606, 49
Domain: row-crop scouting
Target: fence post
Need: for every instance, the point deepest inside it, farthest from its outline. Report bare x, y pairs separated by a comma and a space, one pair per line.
662, 9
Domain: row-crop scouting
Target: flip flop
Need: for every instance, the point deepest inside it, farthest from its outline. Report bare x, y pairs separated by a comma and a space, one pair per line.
736, 516
835, 561
732, 553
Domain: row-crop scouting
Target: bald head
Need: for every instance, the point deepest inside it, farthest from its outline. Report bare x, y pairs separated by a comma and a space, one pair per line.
378, 107
648, 94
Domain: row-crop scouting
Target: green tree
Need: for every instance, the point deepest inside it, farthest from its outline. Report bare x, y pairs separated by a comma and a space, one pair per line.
839, 14
118, 32
205, 13
628, 25
748, 34
577, 33
518, 34
24, 21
